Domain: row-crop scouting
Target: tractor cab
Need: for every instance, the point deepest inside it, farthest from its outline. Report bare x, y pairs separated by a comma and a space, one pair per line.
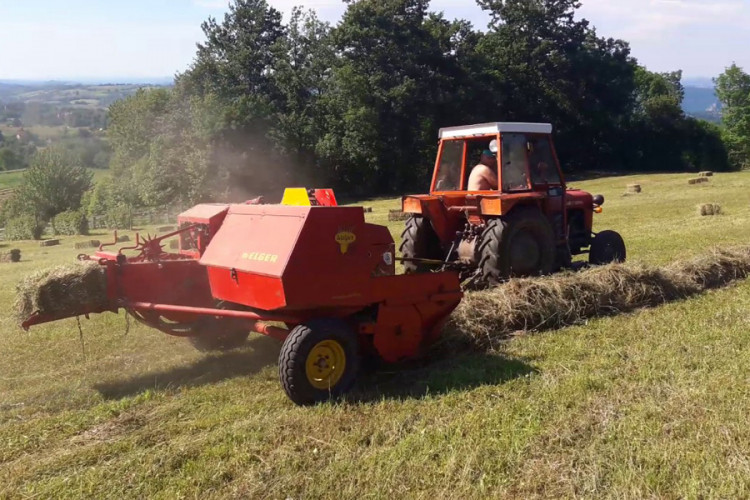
498, 204
524, 155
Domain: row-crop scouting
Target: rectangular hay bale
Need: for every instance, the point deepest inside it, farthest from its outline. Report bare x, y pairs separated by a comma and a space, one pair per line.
166, 229
13, 255
88, 244
49, 243
62, 291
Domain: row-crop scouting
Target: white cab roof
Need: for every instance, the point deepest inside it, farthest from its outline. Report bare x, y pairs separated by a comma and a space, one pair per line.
495, 128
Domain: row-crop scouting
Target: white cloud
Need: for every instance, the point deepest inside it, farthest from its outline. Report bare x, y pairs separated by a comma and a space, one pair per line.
648, 19
700, 37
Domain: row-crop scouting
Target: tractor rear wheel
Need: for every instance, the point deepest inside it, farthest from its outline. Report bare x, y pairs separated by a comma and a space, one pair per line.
419, 241
607, 246
521, 244
319, 361
219, 334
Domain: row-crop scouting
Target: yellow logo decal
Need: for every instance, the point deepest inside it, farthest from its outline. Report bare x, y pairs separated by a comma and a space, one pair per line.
260, 257
345, 238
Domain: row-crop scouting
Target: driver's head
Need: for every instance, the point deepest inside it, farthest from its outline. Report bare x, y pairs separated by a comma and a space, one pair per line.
488, 158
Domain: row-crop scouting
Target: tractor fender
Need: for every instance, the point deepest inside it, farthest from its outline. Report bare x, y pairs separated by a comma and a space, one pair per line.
495, 206
432, 208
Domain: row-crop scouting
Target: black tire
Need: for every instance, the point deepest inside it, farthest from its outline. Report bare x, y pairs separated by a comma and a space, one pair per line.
219, 335
312, 339
607, 247
521, 244
419, 241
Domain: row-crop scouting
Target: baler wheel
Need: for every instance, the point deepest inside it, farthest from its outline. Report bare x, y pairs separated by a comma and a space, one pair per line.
319, 361
419, 241
521, 244
607, 247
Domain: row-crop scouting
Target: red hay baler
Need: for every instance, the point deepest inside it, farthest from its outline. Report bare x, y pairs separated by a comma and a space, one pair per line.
309, 273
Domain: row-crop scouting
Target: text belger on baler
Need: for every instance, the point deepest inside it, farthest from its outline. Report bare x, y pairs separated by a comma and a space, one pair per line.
314, 267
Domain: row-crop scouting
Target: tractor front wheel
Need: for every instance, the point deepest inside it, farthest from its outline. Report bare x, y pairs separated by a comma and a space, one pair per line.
607, 247
319, 361
521, 244
419, 241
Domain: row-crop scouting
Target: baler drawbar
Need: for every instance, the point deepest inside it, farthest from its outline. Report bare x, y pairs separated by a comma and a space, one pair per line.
307, 272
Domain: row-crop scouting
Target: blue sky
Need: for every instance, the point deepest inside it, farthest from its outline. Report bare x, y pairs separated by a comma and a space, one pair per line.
74, 39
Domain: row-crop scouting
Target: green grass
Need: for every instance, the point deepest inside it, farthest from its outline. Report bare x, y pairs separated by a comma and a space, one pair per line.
13, 178
650, 404
10, 179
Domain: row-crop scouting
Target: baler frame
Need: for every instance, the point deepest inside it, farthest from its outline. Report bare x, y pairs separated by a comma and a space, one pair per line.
209, 295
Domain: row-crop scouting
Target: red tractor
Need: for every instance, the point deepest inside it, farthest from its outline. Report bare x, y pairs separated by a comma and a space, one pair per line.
530, 223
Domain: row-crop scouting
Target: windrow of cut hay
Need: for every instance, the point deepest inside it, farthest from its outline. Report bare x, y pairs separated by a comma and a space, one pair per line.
487, 317
62, 291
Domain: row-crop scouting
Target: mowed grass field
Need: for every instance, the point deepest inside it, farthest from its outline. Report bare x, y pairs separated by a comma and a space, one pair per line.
650, 404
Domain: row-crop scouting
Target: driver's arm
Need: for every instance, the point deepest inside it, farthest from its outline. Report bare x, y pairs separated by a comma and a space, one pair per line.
491, 177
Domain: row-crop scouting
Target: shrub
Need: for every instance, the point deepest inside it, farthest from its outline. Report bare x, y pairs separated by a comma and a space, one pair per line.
24, 227
117, 217
71, 223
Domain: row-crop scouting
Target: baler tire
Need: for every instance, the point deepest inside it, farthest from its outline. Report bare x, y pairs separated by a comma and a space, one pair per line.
607, 247
297, 348
419, 241
495, 261
219, 342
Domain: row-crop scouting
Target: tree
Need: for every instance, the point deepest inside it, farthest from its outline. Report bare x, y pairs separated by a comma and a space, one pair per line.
396, 81
551, 67
10, 160
733, 90
53, 184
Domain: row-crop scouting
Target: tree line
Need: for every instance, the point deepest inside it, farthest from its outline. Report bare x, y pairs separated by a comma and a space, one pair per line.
357, 106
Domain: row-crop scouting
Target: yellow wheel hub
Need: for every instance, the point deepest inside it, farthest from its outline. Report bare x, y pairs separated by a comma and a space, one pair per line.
325, 364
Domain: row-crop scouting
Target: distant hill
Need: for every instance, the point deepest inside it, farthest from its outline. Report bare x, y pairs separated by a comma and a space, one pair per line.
67, 95
701, 102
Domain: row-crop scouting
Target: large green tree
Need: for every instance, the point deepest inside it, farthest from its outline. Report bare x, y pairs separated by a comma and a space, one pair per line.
550, 66
733, 90
398, 78
54, 183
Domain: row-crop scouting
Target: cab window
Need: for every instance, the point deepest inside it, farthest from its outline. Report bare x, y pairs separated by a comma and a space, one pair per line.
449, 170
542, 162
514, 173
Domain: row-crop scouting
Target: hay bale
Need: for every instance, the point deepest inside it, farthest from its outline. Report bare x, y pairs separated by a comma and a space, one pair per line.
485, 318
397, 215
709, 209
88, 244
13, 255
62, 291
367, 210
166, 229
706, 173
123, 239
49, 243
634, 188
